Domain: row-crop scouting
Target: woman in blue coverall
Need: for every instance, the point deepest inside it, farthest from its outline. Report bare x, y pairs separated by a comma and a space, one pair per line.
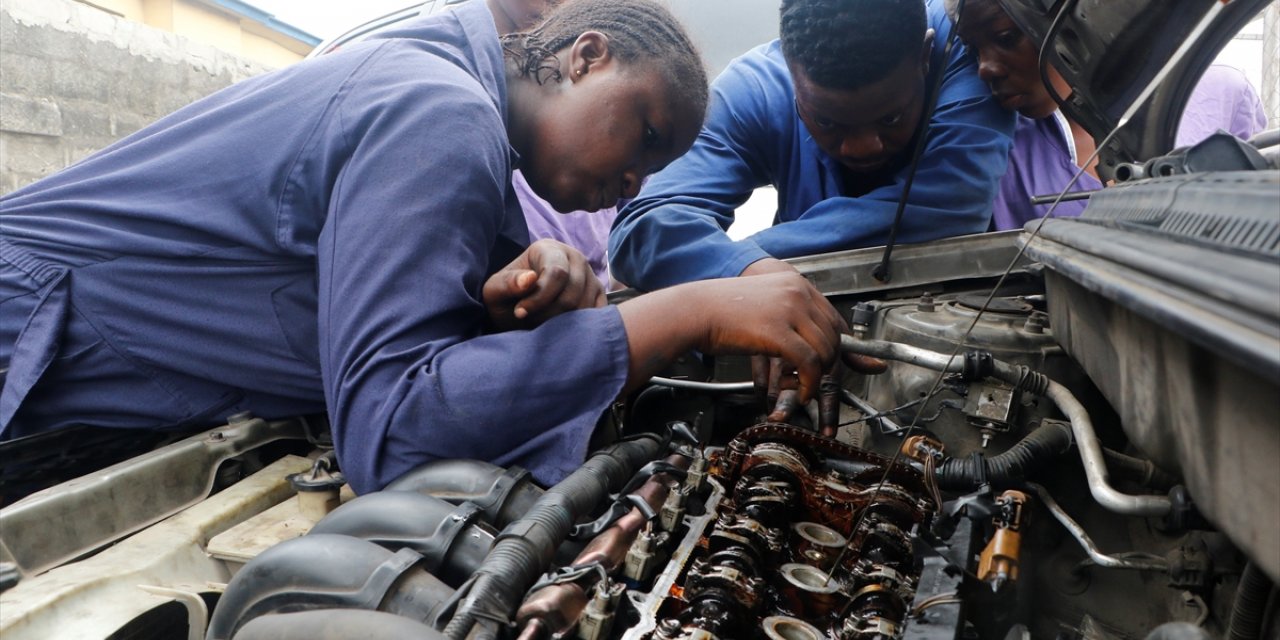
342, 235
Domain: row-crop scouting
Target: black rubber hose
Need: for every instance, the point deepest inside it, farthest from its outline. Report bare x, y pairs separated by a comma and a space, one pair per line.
329, 572
525, 548
1050, 440
1141, 471
503, 494
1251, 604
452, 539
335, 624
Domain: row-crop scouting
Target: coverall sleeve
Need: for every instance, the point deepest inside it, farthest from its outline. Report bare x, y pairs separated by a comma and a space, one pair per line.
960, 167
675, 231
409, 375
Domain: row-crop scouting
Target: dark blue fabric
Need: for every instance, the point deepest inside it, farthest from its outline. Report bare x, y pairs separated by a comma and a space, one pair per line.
674, 232
312, 239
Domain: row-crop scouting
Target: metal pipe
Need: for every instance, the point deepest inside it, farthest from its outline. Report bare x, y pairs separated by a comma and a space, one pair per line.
1091, 458
886, 350
1050, 198
1126, 171
1101, 559
1095, 466
695, 385
1264, 139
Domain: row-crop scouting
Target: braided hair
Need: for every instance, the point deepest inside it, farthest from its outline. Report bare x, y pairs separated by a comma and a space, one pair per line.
847, 44
639, 31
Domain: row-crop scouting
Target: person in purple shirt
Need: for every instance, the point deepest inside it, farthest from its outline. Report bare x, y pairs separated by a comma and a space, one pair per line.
586, 231
1223, 100
1048, 148
342, 235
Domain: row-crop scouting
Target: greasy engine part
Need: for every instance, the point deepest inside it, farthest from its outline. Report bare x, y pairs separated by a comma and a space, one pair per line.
556, 607
977, 365
985, 415
763, 561
318, 489
329, 572
998, 564
526, 547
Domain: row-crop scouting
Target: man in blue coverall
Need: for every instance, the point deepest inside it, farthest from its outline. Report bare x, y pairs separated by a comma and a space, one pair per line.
828, 114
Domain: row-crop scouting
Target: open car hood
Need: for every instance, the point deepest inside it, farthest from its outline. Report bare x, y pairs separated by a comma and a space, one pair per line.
1110, 51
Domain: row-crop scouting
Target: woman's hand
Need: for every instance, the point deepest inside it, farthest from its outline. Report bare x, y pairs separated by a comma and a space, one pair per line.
780, 315
548, 279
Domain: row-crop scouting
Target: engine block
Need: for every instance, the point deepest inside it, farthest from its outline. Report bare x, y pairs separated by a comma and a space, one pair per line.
803, 538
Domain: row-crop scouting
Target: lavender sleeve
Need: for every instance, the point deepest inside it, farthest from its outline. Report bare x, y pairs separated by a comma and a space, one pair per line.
586, 231
1222, 100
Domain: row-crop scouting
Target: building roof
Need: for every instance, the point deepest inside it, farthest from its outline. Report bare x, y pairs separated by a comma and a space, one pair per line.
268, 20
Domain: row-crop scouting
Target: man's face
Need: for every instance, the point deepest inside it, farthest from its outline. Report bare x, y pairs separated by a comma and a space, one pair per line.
602, 133
868, 128
1008, 61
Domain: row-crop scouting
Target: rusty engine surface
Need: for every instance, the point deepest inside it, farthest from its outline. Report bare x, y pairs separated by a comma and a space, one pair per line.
792, 547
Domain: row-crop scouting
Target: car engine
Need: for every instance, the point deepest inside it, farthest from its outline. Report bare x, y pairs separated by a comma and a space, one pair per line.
1002, 479
982, 487
1075, 439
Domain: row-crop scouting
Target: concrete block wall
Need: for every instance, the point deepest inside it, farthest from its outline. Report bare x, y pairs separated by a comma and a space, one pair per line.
73, 79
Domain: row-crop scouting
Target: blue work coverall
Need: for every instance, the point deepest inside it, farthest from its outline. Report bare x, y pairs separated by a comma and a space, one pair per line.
314, 239
675, 230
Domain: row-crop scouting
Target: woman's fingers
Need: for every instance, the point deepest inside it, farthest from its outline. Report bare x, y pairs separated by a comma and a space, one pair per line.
864, 364
788, 401
552, 264
508, 285
565, 282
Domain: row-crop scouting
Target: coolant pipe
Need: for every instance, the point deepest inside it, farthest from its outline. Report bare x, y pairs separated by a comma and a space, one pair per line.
709, 387
886, 350
1048, 441
1095, 466
526, 547
1091, 457
1099, 558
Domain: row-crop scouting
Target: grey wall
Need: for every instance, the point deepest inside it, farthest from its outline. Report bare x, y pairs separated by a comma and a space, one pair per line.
73, 79
726, 29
